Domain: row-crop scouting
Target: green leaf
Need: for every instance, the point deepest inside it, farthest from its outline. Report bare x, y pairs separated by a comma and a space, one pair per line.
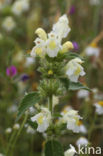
72, 55
53, 148
77, 86
28, 101
56, 115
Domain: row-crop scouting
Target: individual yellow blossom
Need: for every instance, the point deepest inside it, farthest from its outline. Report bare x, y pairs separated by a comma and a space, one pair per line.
50, 72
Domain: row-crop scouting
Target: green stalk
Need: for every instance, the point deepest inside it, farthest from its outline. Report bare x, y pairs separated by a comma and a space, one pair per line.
10, 142
97, 18
18, 134
51, 104
92, 127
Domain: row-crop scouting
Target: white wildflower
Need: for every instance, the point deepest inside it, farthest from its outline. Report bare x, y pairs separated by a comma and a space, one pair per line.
39, 48
61, 28
99, 107
74, 69
72, 119
66, 109
16, 126
94, 2
53, 45
20, 6
8, 23
32, 110
12, 109
8, 130
82, 141
2, 154
92, 51
71, 151
29, 61
43, 120
82, 93
30, 130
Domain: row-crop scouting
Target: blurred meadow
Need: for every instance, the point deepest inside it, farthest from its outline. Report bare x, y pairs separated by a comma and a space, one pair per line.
18, 74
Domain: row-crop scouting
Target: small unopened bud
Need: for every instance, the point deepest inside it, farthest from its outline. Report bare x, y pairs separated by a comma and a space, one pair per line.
41, 33
8, 130
67, 46
50, 72
16, 126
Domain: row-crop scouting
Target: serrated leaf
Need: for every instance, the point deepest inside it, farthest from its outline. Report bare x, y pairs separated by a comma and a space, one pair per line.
28, 101
77, 86
53, 148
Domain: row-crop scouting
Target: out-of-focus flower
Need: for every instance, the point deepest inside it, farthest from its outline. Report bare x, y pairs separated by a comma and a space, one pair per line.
32, 110
2, 154
8, 130
99, 107
20, 6
82, 93
72, 10
82, 128
11, 71
71, 151
82, 141
94, 2
8, 23
24, 77
75, 45
12, 109
72, 119
74, 69
66, 109
29, 61
30, 130
92, 50
43, 120
16, 126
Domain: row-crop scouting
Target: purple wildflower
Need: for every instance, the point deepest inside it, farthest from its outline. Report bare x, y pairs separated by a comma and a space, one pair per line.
11, 71
24, 77
76, 46
72, 10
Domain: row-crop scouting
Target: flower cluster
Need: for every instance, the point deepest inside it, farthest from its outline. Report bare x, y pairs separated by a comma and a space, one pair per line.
50, 46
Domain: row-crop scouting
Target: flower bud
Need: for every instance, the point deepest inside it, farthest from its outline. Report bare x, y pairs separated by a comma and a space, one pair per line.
41, 33
67, 46
16, 126
50, 72
8, 130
